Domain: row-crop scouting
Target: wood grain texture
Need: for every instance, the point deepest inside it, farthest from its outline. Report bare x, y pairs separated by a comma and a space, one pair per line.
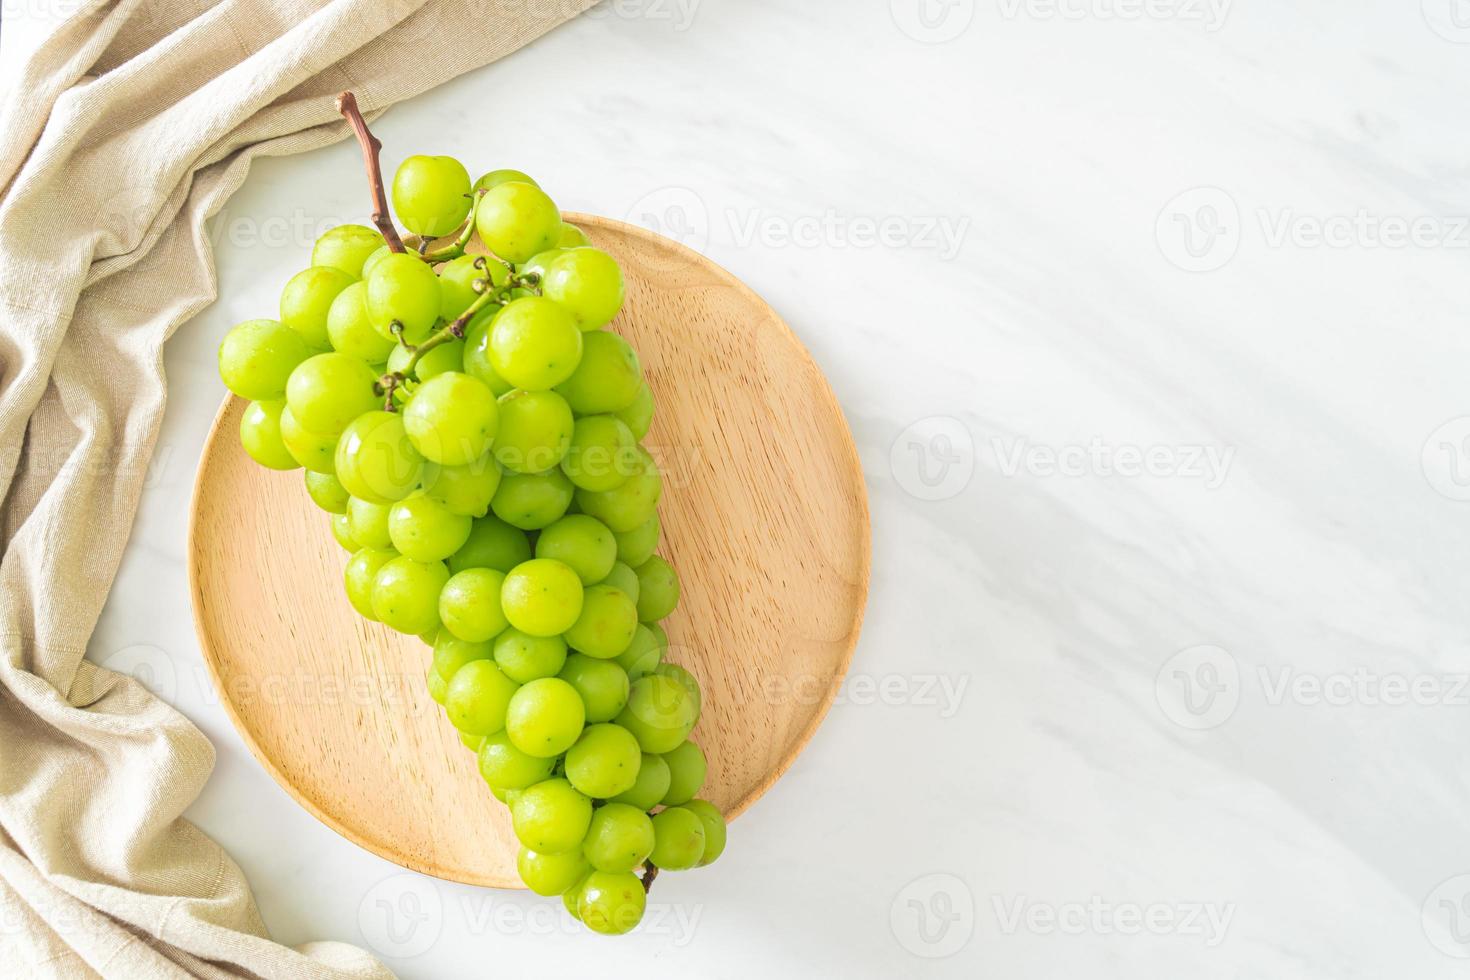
764, 514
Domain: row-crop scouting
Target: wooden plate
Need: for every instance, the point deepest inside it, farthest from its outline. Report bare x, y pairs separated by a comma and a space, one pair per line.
764, 514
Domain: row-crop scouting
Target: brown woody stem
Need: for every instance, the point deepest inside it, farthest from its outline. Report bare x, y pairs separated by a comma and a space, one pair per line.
347, 106
650, 872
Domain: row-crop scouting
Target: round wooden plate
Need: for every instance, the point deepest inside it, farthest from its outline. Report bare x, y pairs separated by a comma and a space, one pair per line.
764, 514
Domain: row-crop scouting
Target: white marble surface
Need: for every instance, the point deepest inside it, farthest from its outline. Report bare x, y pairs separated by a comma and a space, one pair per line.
1170, 546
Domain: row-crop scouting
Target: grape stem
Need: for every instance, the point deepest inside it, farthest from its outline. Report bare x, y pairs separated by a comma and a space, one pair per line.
371, 146
386, 387
489, 295
650, 872
456, 248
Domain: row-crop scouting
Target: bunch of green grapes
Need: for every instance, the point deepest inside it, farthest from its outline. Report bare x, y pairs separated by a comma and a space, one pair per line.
475, 433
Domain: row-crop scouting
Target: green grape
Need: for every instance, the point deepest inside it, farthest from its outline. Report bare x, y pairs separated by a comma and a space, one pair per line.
455, 289
602, 454
611, 904
492, 544
497, 177
714, 829
659, 634
572, 236
478, 697
525, 658
619, 838
535, 344
516, 220
638, 416
582, 543
658, 589
359, 576
423, 529
448, 356
551, 874
636, 546
535, 431
538, 263
257, 356
551, 817
542, 597
688, 681
678, 839
606, 379
588, 282
629, 505
260, 434
457, 282
659, 713
607, 622
506, 796
642, 655
314, 450
369, 523
328, 391
431, 195
452, 419
404, 289
346, 248
307, 298
451, 653
652, 784
376, 461
604, 762
571, 897
326, 492
532, 500
471, 742
466, 489
602, 684
469, 606
351, 331
342, 531
687, 769
545, 717
476, 357
624, 579
506, 767
436, 685
378, 255
406, 595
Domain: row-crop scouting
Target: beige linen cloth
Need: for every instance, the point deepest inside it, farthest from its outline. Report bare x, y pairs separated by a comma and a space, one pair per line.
128, 128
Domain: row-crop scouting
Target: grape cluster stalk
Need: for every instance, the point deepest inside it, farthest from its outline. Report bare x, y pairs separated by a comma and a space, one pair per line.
475, 432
